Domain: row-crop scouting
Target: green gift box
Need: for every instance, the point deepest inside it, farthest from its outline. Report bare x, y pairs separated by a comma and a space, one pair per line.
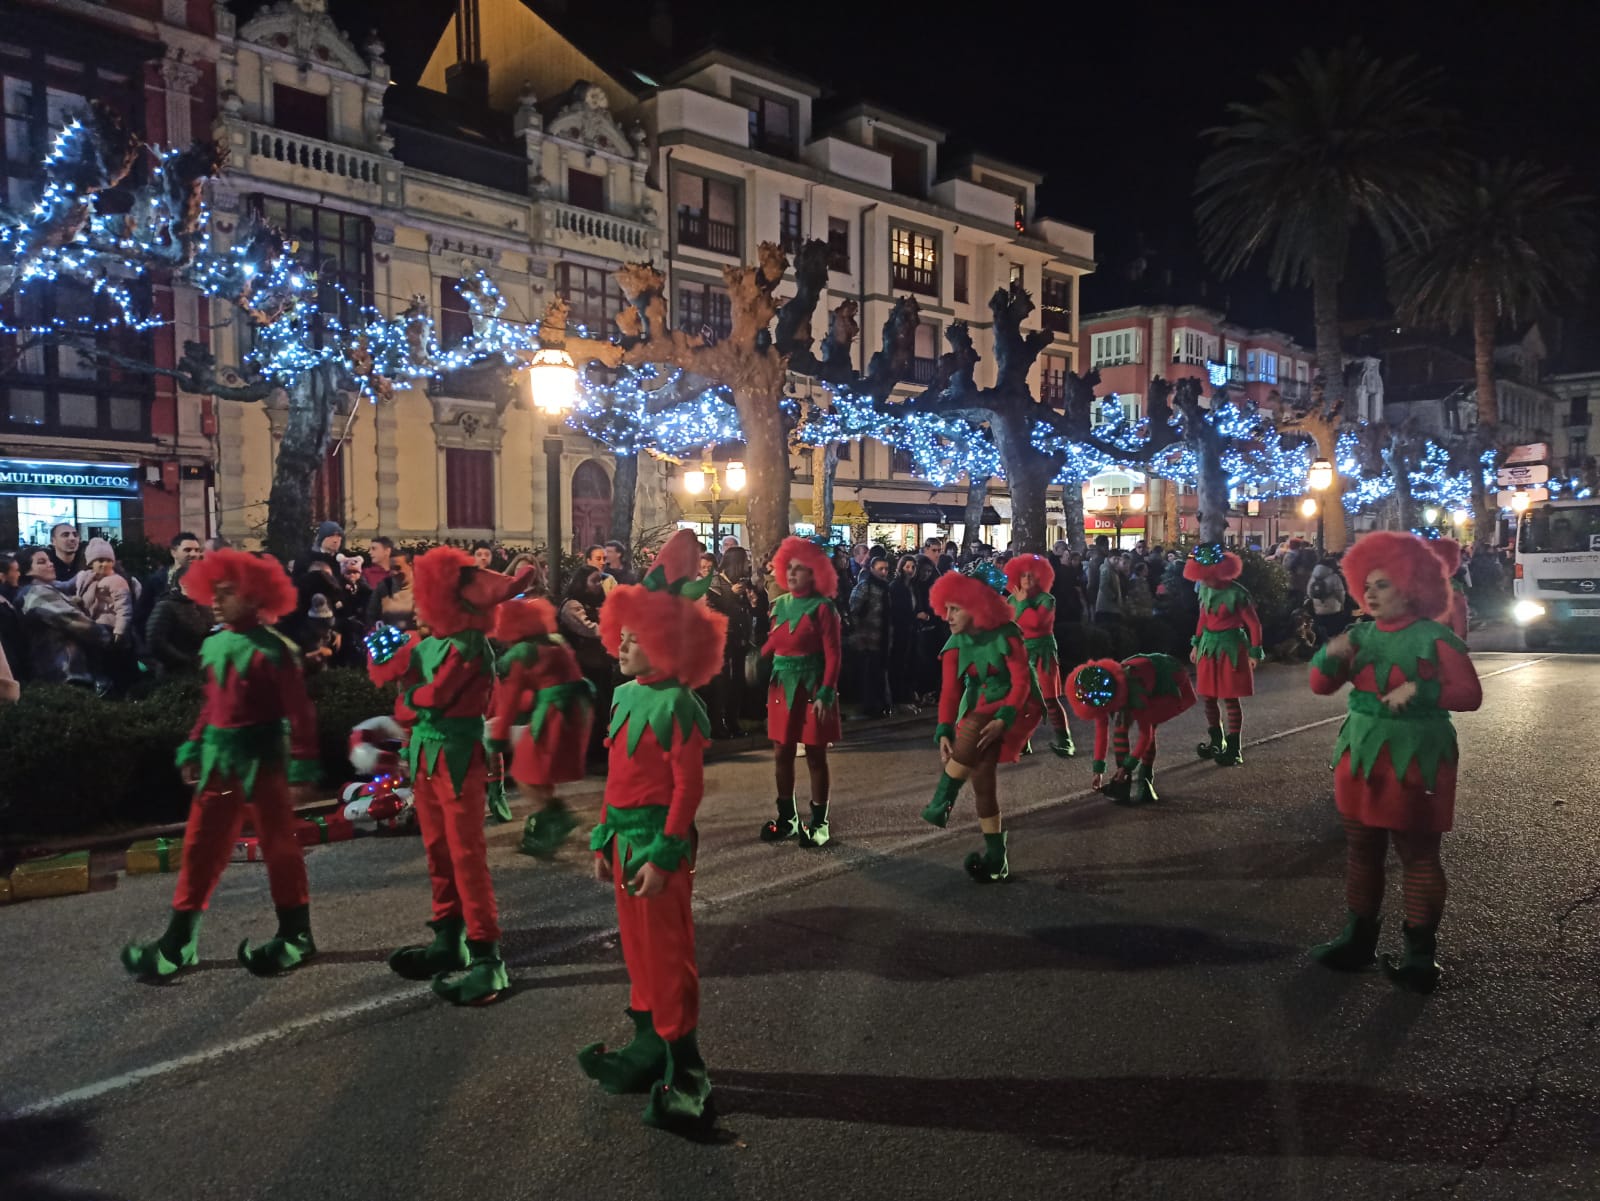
155, 855
55, 876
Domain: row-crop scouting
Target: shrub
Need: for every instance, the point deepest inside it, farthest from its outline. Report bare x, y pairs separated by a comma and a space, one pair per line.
344, 698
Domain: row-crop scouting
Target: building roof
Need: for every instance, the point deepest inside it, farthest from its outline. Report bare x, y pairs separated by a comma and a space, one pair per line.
834, 116
717, 56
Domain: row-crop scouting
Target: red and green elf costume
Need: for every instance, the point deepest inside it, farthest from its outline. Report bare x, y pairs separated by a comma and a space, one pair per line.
1035, 608
542, 711
1395, 762
446, 683
1144, 691
1227, 645
658, 733
253, 692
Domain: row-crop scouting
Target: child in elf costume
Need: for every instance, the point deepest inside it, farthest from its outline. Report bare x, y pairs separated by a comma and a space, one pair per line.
1029, 578
1145, 690
543, 708
446, 681
1227, 647
1395, 760
1448, 552
988, 708
240, 763
645, 843
802, 701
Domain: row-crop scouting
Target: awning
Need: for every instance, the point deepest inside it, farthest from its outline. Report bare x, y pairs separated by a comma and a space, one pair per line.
900, 513
957, 515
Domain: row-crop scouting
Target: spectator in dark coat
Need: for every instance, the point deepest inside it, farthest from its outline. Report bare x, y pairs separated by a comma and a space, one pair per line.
870, 636
185, 549
65, 551
176, 629
932, 632
903, 632
730, 595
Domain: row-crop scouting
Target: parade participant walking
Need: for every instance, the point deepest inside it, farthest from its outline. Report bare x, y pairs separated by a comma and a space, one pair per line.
240, 763
1396, 755
645, 843
802, 699
542, 710
1030, 578
446, 681
1448, 552
1226, 648
988, 708
1143, 691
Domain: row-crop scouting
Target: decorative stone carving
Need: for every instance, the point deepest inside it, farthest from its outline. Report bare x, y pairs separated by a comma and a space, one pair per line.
528, 118
466, 425
585, 118
304, 29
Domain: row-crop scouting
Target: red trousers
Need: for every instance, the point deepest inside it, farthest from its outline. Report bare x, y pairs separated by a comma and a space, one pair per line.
658, 949
216, 816
458, 856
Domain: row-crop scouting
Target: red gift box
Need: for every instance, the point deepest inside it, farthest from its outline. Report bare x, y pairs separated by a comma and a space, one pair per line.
314, 831
246, 850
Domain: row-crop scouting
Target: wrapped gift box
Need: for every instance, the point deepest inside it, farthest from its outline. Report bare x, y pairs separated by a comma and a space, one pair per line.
314, 831
56, 876
246, 850
155, 855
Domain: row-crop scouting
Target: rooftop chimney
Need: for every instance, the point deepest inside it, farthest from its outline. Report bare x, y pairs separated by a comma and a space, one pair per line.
468, 77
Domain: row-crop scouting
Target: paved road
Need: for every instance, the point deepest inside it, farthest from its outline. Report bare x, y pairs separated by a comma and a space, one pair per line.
1131, 1016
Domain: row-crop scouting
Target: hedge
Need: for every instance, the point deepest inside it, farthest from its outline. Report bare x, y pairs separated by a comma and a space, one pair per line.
79, 763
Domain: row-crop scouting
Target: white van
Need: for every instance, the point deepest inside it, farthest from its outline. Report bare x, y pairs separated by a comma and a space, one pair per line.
1557, 579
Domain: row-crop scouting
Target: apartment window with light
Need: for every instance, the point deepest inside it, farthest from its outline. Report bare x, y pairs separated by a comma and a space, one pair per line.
1193, 346
1104, 410
1115, 348
962, 267
914, 261
1261, 366
586, 190
1053, 380
1017, 274
791, 224
839, 245
708, 213
593, 297
705, 310
773, 122
1055, 304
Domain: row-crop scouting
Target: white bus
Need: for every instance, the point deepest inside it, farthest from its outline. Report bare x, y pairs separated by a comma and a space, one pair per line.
1557, 578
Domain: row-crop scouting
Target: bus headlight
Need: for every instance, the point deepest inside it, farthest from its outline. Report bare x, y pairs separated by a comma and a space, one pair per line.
1526, 611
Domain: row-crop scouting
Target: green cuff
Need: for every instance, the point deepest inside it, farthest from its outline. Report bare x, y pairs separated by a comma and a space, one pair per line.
305, 771
1195, 641
188, 753
1098, 766
1258, 653
943, 730
1322, 659
1005, 715
666, 852
1131, 762
828, 695
499, 746
600, 839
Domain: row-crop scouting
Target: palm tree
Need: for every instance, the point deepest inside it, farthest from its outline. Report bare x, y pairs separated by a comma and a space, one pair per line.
1509, 240
1343, 139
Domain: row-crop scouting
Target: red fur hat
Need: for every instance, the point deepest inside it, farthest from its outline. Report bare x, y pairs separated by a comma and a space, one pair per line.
1409, 562
1212, 566
808, 554
1097, 688
1039, 567
529, 617
681, 637
1448, 552
260, 580
988, 608
454, 594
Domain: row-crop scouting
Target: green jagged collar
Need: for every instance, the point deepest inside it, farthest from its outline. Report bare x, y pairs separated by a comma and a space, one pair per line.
236, 648
1166, 668
983, 649
659, 705
791, 610
469, 644
1039, 600
1421, 733
1406, 648
1230, 598
526, 652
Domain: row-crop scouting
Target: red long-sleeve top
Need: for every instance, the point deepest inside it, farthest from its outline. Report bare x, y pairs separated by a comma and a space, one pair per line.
1036, 621
673, 776
816, 634
1459, 688
270, 688
1016, 696
1241, 618
517, 691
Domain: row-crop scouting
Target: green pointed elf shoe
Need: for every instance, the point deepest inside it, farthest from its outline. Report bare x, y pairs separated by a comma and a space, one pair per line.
1415, 971
1211, 748
1143, 790
634, 1068
286, 950
1062, 745
815, 832
1119, 791
1355, 947
545, 831
937, 811
681, 1101
168, 955
786, 826
483, 983
1231, 754
991, 866
446, 953
499, 812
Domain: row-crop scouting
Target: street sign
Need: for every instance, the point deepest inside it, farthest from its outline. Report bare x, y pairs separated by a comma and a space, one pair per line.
1521, 477
1529, 452
1534, 495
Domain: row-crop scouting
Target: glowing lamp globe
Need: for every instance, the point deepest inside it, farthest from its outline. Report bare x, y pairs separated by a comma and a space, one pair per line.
1519, 503
1430, 515
1308, 507
694, 482
1136, 501
1319, 478
735, 476
1461, 517
553, 381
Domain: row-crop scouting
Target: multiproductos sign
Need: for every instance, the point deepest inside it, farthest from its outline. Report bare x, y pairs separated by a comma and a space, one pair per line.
44, 477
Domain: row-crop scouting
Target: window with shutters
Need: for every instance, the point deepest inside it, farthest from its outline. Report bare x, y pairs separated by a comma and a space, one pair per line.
708, 213
469, 489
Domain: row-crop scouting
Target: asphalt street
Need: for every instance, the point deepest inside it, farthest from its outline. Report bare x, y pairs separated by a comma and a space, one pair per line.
1132, 1015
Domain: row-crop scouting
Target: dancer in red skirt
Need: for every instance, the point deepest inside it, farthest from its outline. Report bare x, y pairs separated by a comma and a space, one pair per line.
1029, 578
1227, 647
541, 714
1144, 690
802, 699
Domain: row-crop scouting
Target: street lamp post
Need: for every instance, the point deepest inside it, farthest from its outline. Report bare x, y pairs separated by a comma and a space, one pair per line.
1119, 505
1319, 479
709, 479
1310, 508
553, 391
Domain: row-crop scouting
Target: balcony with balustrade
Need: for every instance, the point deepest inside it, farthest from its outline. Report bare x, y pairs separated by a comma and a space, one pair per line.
572, 227
705, 233
326, 167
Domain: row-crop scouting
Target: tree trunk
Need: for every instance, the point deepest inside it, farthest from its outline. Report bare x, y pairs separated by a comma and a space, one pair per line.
624, 491
1213, 490
1028, 473
300, 455
766, 461
824, 467
1486, 522
1072, 513
972, 516
1171, 515
1325, 318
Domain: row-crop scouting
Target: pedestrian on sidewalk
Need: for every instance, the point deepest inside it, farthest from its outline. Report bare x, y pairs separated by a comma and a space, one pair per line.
803, 697
1226, 648
988, 709
240, 763
1395, 759
869, 636
903, 634
1030, 578
668, 645
1144, 690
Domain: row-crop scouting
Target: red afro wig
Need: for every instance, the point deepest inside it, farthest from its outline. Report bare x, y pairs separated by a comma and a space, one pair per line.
1212, 566
260, 580
454, 594
1097, 688
988, 608
1039, 567
1409, 562
1448, 552
808, 554
519, 619
681, 638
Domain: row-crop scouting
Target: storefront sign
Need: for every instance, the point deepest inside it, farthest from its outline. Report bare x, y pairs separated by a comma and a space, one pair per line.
1529, 452
1532, 473
42, 477
1098, 524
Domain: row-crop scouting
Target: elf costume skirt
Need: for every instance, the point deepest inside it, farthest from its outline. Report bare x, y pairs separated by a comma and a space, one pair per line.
1048, 673
1223, 677
557, 755
1014, 739
1158, 709
799, 723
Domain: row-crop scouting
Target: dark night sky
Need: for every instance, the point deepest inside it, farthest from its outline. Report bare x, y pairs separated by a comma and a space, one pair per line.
1109, 99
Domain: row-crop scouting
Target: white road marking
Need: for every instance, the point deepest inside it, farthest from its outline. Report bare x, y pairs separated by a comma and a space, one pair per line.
834, 865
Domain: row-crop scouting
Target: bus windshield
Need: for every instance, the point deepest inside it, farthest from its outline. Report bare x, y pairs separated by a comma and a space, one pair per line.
1563, 531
